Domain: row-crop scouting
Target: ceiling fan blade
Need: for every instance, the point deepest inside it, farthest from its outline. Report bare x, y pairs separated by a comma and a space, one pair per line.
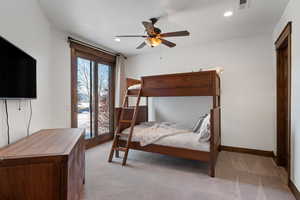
120, 36
141, 45
154, 20
149, 28
168, 43
175, 34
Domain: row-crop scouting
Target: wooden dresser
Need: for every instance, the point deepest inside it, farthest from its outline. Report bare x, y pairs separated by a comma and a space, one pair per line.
48, 165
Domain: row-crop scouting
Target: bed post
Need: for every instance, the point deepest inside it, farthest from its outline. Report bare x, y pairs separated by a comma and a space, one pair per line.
147, 105
220, 112
212, 140
215, 140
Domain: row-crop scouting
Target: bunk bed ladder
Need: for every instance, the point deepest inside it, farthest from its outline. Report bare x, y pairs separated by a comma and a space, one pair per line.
115, 146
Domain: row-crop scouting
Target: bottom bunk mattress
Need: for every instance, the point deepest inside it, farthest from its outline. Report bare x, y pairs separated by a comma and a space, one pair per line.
166, 134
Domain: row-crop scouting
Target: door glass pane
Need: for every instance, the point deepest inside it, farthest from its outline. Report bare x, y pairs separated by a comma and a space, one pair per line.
85, 96
103, 98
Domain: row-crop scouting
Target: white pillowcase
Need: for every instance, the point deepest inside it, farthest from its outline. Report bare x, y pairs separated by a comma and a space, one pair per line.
135, 87
204, 130
198, 123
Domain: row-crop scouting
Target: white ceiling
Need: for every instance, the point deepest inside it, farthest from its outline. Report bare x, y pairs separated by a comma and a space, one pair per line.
98, 21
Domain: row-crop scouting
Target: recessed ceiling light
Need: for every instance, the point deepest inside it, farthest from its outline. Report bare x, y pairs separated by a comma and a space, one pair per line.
228, 14
117, 39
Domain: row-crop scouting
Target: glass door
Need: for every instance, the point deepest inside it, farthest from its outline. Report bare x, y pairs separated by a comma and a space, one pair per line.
104, 98
85, 96
94, 99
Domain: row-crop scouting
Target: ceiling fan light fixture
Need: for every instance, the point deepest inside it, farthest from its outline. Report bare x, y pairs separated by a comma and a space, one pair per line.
153, 42
153, 36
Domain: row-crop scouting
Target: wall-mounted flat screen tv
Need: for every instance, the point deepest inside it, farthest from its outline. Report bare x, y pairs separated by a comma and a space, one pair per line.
17, 72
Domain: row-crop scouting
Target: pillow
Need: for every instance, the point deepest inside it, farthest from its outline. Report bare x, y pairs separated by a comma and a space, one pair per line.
204, 130
134, 87
198, 123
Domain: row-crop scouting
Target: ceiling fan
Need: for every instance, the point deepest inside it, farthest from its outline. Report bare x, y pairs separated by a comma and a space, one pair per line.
154, 36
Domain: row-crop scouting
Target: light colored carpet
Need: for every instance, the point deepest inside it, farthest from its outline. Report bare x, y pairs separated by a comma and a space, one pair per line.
151, 176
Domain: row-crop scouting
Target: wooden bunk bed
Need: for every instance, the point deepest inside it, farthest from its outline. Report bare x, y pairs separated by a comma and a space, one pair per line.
205, 83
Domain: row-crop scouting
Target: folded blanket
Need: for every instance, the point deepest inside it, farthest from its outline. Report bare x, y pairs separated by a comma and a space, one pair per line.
149, 133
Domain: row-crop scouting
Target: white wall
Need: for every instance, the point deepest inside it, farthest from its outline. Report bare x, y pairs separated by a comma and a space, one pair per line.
61, 81
292, 14
248, 87
24, 24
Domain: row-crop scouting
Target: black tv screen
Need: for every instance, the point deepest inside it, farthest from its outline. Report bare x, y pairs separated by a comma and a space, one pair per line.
17, 72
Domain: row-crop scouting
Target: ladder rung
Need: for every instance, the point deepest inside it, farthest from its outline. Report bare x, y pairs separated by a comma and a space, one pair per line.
132, 95
130, 107
121, 149
122, 134
126, 121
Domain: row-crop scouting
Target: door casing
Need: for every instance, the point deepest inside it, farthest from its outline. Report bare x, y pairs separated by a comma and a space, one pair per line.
283, 151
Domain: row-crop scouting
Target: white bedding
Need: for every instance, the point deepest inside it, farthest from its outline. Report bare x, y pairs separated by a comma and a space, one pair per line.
135, 87
150, 132
181, 138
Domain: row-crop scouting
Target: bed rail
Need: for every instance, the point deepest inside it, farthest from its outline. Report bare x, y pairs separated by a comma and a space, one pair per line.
205, 83
183, 84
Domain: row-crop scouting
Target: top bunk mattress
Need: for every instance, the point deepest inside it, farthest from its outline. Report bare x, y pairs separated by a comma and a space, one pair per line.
135, 87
